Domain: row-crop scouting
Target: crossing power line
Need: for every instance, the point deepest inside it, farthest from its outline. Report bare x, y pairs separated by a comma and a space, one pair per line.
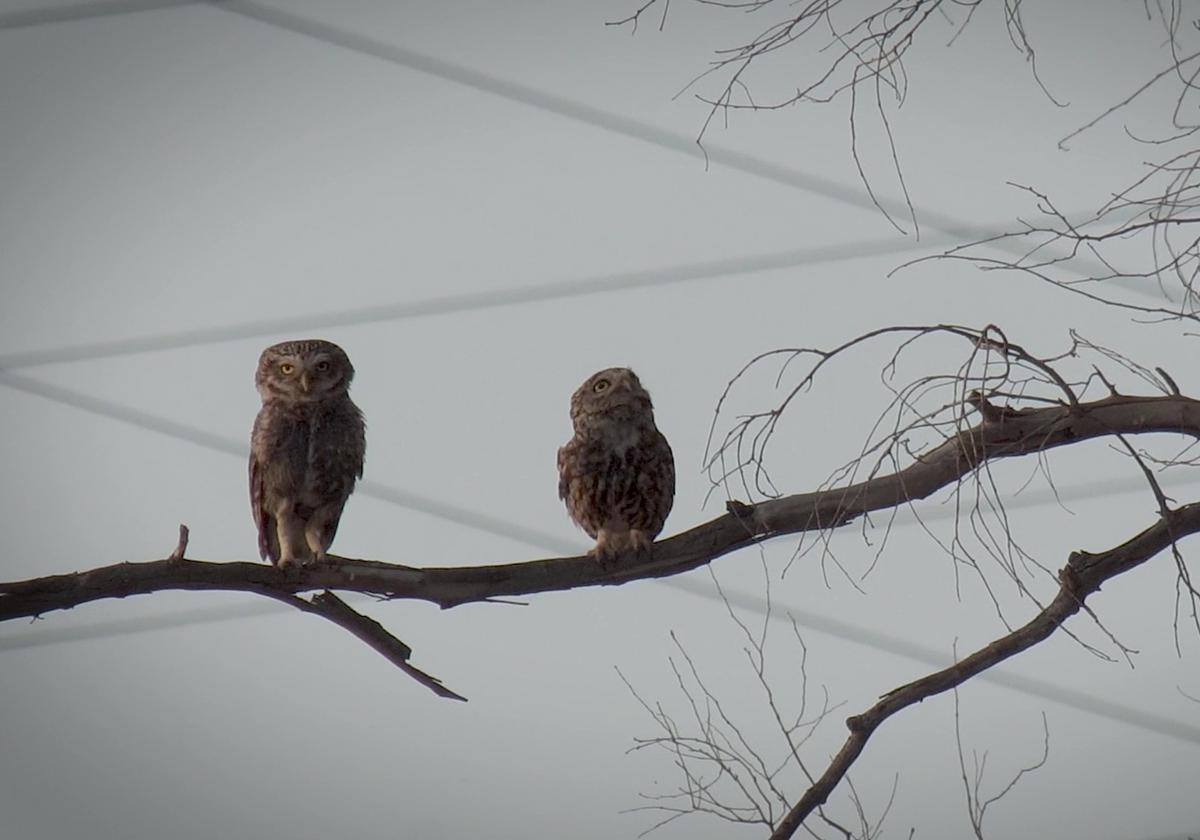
469, 301
951, 230
577, 111
620, 124
28, 18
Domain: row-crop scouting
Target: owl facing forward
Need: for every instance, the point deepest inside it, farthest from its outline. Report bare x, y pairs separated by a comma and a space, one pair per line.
306, 449
617, 474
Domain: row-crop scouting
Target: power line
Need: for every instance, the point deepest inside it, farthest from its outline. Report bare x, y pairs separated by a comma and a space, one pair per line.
606, 120
470, 301
27, 18
217, 443
113, 628
635, 129
938, 659
47, 636
952, 232
565, 107
549, 542
512, 91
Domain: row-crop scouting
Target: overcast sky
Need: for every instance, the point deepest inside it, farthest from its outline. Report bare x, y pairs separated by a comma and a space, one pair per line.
483, 203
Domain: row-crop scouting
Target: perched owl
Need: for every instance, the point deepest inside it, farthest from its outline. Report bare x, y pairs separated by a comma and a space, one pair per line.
306, 450
617, 474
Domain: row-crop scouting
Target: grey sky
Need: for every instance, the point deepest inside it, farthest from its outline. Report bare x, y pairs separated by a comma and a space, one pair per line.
193, 172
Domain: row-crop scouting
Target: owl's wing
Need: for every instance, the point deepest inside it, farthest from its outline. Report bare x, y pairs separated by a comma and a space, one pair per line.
656, 483
668, 468
564, 471
262, 520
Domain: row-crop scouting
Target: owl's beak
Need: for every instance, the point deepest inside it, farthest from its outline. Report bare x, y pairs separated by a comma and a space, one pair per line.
304, 382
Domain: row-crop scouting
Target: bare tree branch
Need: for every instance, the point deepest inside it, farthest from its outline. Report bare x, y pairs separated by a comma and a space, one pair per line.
854, 51
1147, 236
725, 771
1083, 575
1003, 433
977, 805
365, 629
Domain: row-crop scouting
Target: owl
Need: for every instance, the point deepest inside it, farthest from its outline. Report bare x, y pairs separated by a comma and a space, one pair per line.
306, 449
617, 474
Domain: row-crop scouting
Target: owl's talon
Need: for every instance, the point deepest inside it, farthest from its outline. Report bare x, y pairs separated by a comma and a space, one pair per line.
640, 541
290, 568
608, 549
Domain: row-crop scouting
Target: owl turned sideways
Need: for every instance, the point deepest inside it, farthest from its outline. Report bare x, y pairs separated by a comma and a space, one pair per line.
306, 449
617, 474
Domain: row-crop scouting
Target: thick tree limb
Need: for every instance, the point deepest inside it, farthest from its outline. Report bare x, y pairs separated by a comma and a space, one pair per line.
1003, 433
1083, 575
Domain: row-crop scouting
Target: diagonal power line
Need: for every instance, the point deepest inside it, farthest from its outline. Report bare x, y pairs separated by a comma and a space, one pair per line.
620, 124
571, 109
549, 542
564, 107
471, 301
27, 18
228, 446
952, 231
513, 91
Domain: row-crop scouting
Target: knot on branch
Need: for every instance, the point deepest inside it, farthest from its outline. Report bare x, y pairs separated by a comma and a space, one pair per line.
991, 412
739, 510
1080, 563
1078, 560
1069, 575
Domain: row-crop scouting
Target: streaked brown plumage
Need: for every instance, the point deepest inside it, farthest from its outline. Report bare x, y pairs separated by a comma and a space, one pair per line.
617, 474
306, 449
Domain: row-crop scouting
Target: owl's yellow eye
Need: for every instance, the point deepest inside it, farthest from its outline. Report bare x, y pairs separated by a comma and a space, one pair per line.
322, 366
287, 368
602, 385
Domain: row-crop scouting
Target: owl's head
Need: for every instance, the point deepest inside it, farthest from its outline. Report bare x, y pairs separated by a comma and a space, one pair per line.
612, 394
303, 371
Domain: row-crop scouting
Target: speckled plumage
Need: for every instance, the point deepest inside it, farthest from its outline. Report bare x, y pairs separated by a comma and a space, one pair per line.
617, 474
306, 449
